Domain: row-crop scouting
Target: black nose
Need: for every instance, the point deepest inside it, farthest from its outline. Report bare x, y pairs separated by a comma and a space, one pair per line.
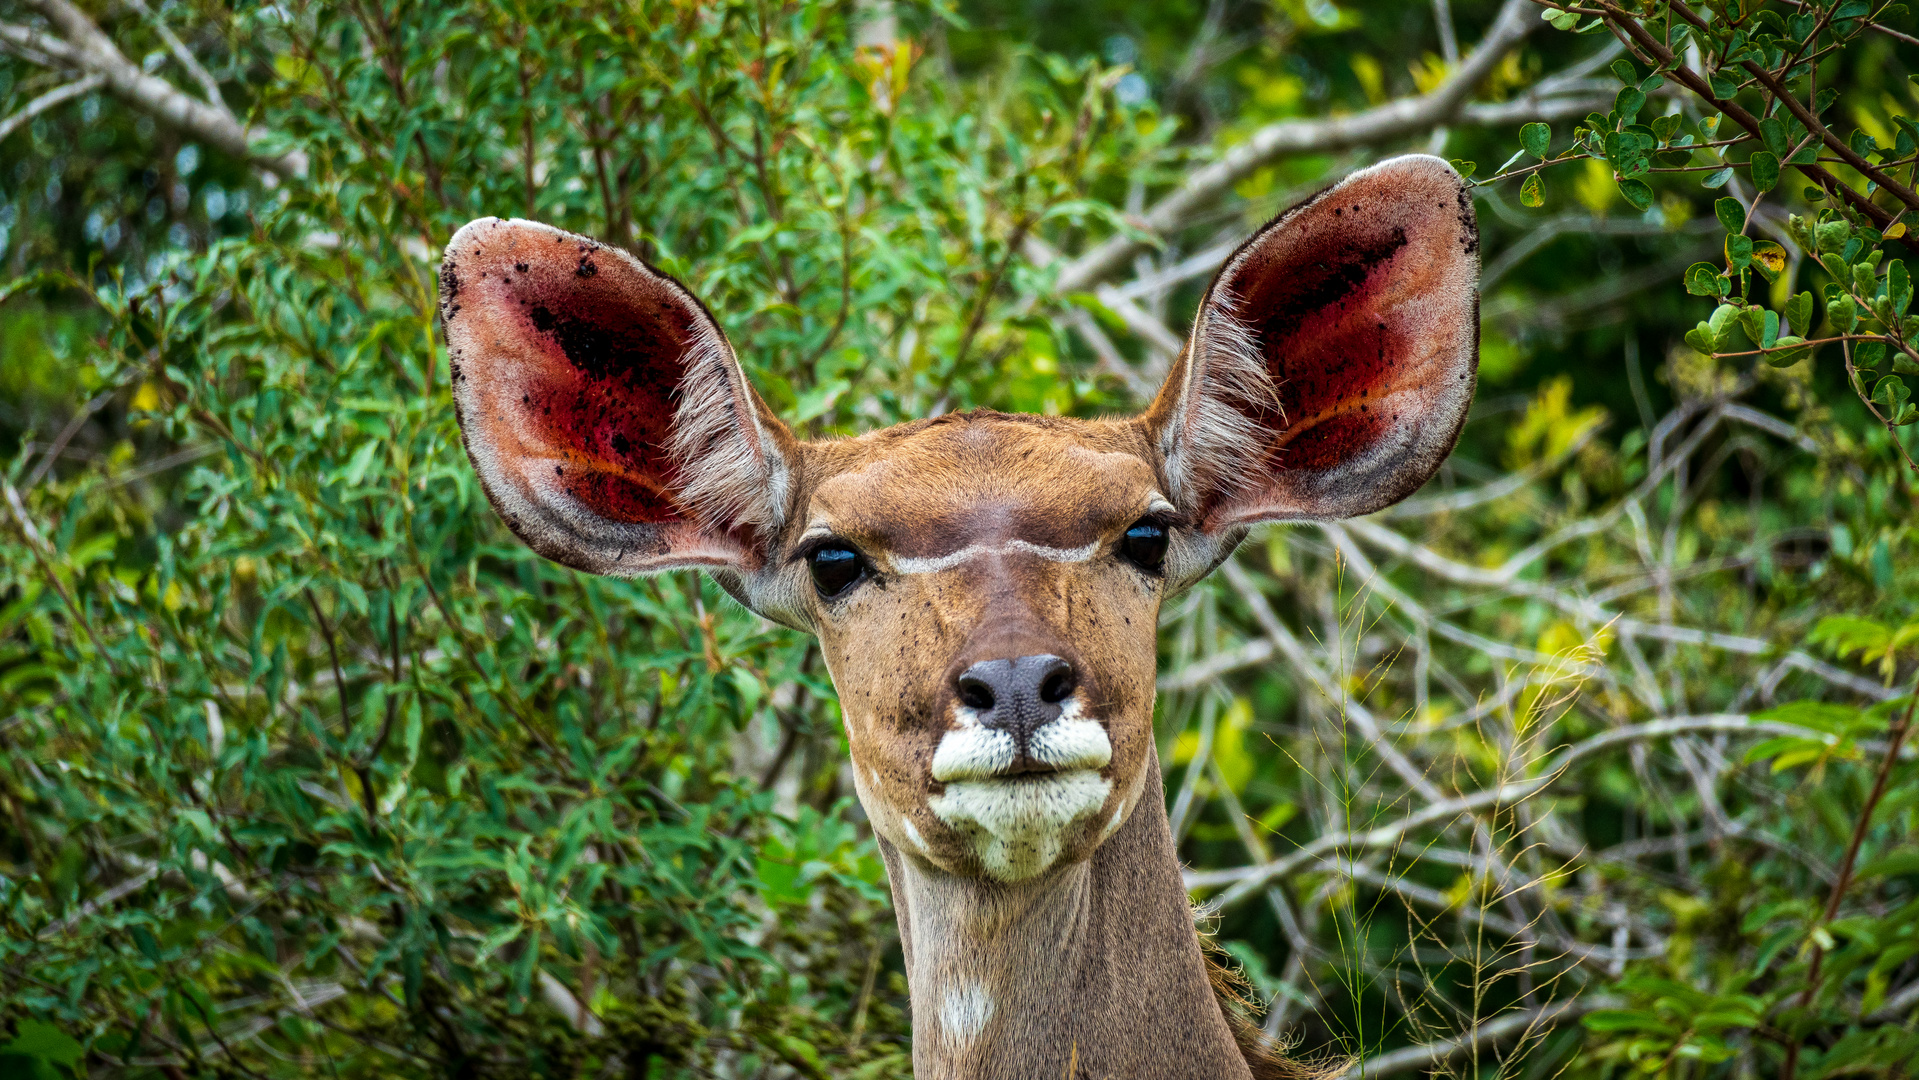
1017, 696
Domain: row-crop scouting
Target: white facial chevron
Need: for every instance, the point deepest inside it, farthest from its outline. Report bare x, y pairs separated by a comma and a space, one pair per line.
935, 564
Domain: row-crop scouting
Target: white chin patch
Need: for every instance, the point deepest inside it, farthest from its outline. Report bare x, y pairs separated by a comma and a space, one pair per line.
1017, 824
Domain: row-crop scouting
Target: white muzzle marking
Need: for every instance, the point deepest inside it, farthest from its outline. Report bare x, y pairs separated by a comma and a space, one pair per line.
975, 752
1017, 824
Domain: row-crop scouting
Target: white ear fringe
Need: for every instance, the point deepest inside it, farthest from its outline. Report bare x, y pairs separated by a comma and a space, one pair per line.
731, 471
1214, 443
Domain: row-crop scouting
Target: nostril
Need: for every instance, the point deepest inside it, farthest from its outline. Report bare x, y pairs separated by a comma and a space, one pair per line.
974, 693
1059, 684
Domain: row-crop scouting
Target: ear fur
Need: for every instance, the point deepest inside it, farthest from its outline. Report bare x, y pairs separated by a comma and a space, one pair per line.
606, 414
1334, 356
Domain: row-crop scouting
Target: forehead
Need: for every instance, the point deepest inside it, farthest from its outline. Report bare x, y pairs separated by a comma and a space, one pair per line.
935, 486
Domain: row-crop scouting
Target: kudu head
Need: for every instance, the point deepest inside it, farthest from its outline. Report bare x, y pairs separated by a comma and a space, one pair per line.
985, 586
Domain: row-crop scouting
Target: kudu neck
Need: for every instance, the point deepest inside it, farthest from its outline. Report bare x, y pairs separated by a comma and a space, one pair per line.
1090, 971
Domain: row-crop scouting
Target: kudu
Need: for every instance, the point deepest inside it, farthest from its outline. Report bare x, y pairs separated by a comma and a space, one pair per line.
986, 586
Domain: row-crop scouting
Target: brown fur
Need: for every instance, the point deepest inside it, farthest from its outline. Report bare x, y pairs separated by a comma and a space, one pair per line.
1041, 910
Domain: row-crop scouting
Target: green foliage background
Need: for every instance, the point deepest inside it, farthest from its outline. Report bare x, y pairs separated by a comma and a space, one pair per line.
309, 768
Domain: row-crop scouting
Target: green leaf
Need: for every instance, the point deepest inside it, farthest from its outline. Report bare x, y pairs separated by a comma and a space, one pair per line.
1892, 393
1761, 326
1732, 215
148, 945
1799, 313
1701, 338
1844, 635
1561, 20
44, 1042
1908, 137
1531, 193
1765, 170
1840, 309
1767, 749
1702, 279
1772, 134
39, 279
362, 460
1868, 355
1898, 288
1896, 864
1628, 1020
1724, 323
1627, 104
1464, 168
1537, 139
1784, 356
1636, 193
1717, 179
1625, 72
1864, 282
1738, 251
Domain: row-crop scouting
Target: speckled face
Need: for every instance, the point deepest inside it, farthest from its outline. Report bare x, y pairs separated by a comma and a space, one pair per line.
984, 540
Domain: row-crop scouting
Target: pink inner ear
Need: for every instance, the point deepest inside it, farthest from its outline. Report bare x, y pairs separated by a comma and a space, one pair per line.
1332, 341
597, 388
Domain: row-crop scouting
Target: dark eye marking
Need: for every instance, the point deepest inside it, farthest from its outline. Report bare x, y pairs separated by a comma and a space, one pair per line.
1144, 545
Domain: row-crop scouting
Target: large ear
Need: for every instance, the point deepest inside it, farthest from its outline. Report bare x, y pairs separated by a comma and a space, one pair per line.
1334, 356
607, 416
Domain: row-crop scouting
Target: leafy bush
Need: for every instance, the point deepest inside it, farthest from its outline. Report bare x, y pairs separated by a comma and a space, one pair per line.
325, 730
309, 768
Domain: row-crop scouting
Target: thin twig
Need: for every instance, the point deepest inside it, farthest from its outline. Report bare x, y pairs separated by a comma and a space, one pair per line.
59, 95
1393, 120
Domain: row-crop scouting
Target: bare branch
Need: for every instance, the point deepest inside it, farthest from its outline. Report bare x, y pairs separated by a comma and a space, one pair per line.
1110, 359
1506, 578
1453, 502
1552, 229
208, 86
85, 47
1245, 881
1165, 344
1393, 120
1529, 1024
1533, 106
37, 47
579, 1015
1356, 714
58, 96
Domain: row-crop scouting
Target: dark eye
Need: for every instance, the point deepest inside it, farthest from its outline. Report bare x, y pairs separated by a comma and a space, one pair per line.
1145, 545
835, 569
